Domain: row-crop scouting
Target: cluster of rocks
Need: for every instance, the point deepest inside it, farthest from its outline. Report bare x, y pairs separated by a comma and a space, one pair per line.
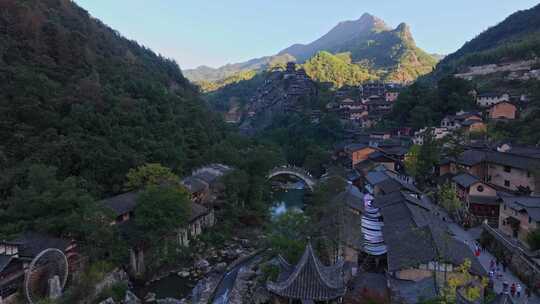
211, 259
249, 286
131, 298
209, 266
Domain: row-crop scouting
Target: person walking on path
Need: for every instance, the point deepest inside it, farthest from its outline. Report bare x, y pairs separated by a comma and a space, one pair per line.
518, 290
505, 287
504, 265
513, 289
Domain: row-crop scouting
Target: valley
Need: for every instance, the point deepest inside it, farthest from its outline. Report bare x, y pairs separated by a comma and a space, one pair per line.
357, 168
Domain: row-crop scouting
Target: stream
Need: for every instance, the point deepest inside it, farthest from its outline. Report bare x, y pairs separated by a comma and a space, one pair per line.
223, 290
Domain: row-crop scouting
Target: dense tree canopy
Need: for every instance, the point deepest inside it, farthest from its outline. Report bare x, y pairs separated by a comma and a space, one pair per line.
160, 210
420, 105
150, 175
76, 95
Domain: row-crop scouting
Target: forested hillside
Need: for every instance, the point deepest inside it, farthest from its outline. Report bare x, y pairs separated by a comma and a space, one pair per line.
515, 38
76, 95
336, 69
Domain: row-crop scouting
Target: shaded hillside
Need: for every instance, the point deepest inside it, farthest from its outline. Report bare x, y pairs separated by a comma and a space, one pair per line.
76, 95
370, 42
515, 38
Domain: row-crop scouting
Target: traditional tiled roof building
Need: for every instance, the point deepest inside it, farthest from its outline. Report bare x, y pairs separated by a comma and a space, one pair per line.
309, 281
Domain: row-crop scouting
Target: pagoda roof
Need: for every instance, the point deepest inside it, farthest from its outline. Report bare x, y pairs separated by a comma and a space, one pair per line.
309, 279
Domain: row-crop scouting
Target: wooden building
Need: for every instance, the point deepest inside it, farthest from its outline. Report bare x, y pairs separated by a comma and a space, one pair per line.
16, 256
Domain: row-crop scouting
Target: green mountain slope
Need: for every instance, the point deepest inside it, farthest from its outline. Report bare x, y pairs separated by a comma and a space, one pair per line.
76, 95
515, 38
370, 42
336, 69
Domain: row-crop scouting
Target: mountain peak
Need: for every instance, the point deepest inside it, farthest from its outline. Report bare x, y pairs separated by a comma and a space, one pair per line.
373, 22
404, 31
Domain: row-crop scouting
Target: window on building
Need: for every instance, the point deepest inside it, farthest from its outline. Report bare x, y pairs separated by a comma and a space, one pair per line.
507, 169
504, 207
506, 183
530, 219
489, 178
528, 174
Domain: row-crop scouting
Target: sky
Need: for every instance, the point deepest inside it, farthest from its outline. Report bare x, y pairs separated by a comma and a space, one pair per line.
216, 32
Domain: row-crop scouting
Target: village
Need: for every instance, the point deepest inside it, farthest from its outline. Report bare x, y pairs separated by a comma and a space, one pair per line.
355, 169
470, 223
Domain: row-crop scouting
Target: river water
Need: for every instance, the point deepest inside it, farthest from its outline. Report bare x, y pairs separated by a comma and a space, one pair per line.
290, 198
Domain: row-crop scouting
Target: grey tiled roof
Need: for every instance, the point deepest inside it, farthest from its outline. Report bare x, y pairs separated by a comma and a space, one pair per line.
389, 185
122, 203
375, 177
352, 197
471, 157
4, 261
529, 204
465, 180
33, 243
194, 184
309, 279
413, 236
513, 160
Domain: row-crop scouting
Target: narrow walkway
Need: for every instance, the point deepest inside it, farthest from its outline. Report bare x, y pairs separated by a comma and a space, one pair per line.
469, 237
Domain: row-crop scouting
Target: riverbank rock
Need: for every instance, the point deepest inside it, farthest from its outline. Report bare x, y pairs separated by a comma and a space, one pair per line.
221, 267
131, 298
261, 295
202, 265
204, 289
150, 297
183, 274
108, 301
110, 279
171, 301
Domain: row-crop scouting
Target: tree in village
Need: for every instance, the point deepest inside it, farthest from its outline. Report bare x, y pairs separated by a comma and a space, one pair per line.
448, 199
421, 159
160, 210
471, 291
411, 160
319, 203
533, 239
288, 233
150, 174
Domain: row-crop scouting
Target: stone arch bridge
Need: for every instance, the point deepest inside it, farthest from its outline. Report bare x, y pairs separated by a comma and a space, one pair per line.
300, 173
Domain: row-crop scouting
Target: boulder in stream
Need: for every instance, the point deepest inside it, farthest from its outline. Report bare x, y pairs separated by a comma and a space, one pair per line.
108, 301
131, 298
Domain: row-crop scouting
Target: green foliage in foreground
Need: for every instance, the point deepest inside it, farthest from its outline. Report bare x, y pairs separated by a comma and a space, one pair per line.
160, 210
288, 234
